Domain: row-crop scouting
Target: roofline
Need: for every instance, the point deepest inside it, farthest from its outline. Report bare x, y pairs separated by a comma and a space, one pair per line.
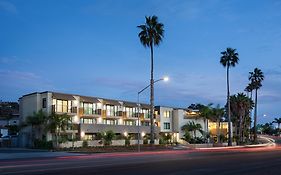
175, 108
118, 100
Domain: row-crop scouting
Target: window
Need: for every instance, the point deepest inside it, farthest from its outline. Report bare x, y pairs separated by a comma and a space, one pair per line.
44, 103
145, 123
62, 105
111, 110
110, 122
129, 112
88, 137
88, 121
88, 108
167, 125
131, 123
167, 114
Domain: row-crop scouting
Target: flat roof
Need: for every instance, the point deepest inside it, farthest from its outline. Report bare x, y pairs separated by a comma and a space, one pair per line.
90, 99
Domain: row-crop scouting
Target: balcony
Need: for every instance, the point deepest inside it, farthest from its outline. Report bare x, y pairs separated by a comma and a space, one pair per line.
64, 109
94, 113
96, 128
117, 114
191, 115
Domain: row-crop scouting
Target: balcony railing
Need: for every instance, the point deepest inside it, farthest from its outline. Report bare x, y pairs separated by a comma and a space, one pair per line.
64, 109
83, 111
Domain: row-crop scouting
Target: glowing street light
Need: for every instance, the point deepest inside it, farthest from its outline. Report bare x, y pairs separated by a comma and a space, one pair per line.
166, 79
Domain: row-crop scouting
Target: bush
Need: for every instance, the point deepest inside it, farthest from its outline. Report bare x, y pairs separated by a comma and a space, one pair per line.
165, 139
145, 141
85, 144
127, 141
223, 138
108, 136
43, 144
187, 137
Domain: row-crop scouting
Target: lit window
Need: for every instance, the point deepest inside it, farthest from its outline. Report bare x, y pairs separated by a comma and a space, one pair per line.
167, 114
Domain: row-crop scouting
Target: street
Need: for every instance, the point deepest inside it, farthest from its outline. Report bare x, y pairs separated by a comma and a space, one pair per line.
265, 160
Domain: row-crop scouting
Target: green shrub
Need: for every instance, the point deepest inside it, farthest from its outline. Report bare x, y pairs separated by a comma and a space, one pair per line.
223, 138
187, 137
108, 136
127, 141
43, 144
85, 144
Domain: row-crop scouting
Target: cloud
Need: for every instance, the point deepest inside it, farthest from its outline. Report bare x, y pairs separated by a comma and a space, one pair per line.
270, 98
18, 79
8, 60
8, 7
18, 75
273, 72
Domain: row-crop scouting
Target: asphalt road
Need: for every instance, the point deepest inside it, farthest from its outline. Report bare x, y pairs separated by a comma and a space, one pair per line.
231, 161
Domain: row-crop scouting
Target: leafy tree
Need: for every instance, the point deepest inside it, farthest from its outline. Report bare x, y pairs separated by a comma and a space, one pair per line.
187, 137
151, 34
217, 115
229, 59
192, 127
278, 121
266, 128
37, 122
240, 106
256, 77
107, 137
57, 124
205, 112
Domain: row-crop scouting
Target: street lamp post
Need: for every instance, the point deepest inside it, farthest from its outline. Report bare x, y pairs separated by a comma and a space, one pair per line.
139, 124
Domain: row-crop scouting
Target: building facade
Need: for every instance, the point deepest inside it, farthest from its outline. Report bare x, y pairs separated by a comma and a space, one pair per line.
93, 115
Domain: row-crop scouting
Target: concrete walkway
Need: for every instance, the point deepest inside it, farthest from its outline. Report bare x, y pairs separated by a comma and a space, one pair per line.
20, 153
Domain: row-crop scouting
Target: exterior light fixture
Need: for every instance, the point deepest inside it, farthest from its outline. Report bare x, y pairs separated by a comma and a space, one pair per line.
75, 119
166, 79
82, 134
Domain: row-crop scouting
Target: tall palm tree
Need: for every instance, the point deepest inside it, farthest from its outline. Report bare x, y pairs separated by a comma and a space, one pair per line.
278, 121
249, 89
151, 34
244, 104
229, 59
256, 77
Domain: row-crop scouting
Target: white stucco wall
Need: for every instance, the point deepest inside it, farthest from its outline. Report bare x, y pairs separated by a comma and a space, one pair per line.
163, 119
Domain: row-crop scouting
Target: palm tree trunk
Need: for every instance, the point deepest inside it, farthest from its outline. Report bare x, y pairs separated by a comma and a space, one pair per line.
228, 110
151, 98
218, 131
255, 116
240, 128
250, 124
279, 129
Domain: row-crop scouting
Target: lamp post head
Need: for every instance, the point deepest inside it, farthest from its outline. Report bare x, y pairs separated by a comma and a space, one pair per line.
166, 79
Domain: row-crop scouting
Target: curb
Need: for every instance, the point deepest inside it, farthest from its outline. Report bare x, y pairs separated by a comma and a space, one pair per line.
271, 143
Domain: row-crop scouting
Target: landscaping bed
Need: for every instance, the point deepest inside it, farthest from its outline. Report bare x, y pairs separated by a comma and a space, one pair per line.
110, 149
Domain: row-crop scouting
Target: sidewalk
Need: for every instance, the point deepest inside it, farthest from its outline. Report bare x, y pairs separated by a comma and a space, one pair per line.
21, 153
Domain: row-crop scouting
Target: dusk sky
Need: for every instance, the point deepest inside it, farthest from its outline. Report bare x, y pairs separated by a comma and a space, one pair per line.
92, 48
